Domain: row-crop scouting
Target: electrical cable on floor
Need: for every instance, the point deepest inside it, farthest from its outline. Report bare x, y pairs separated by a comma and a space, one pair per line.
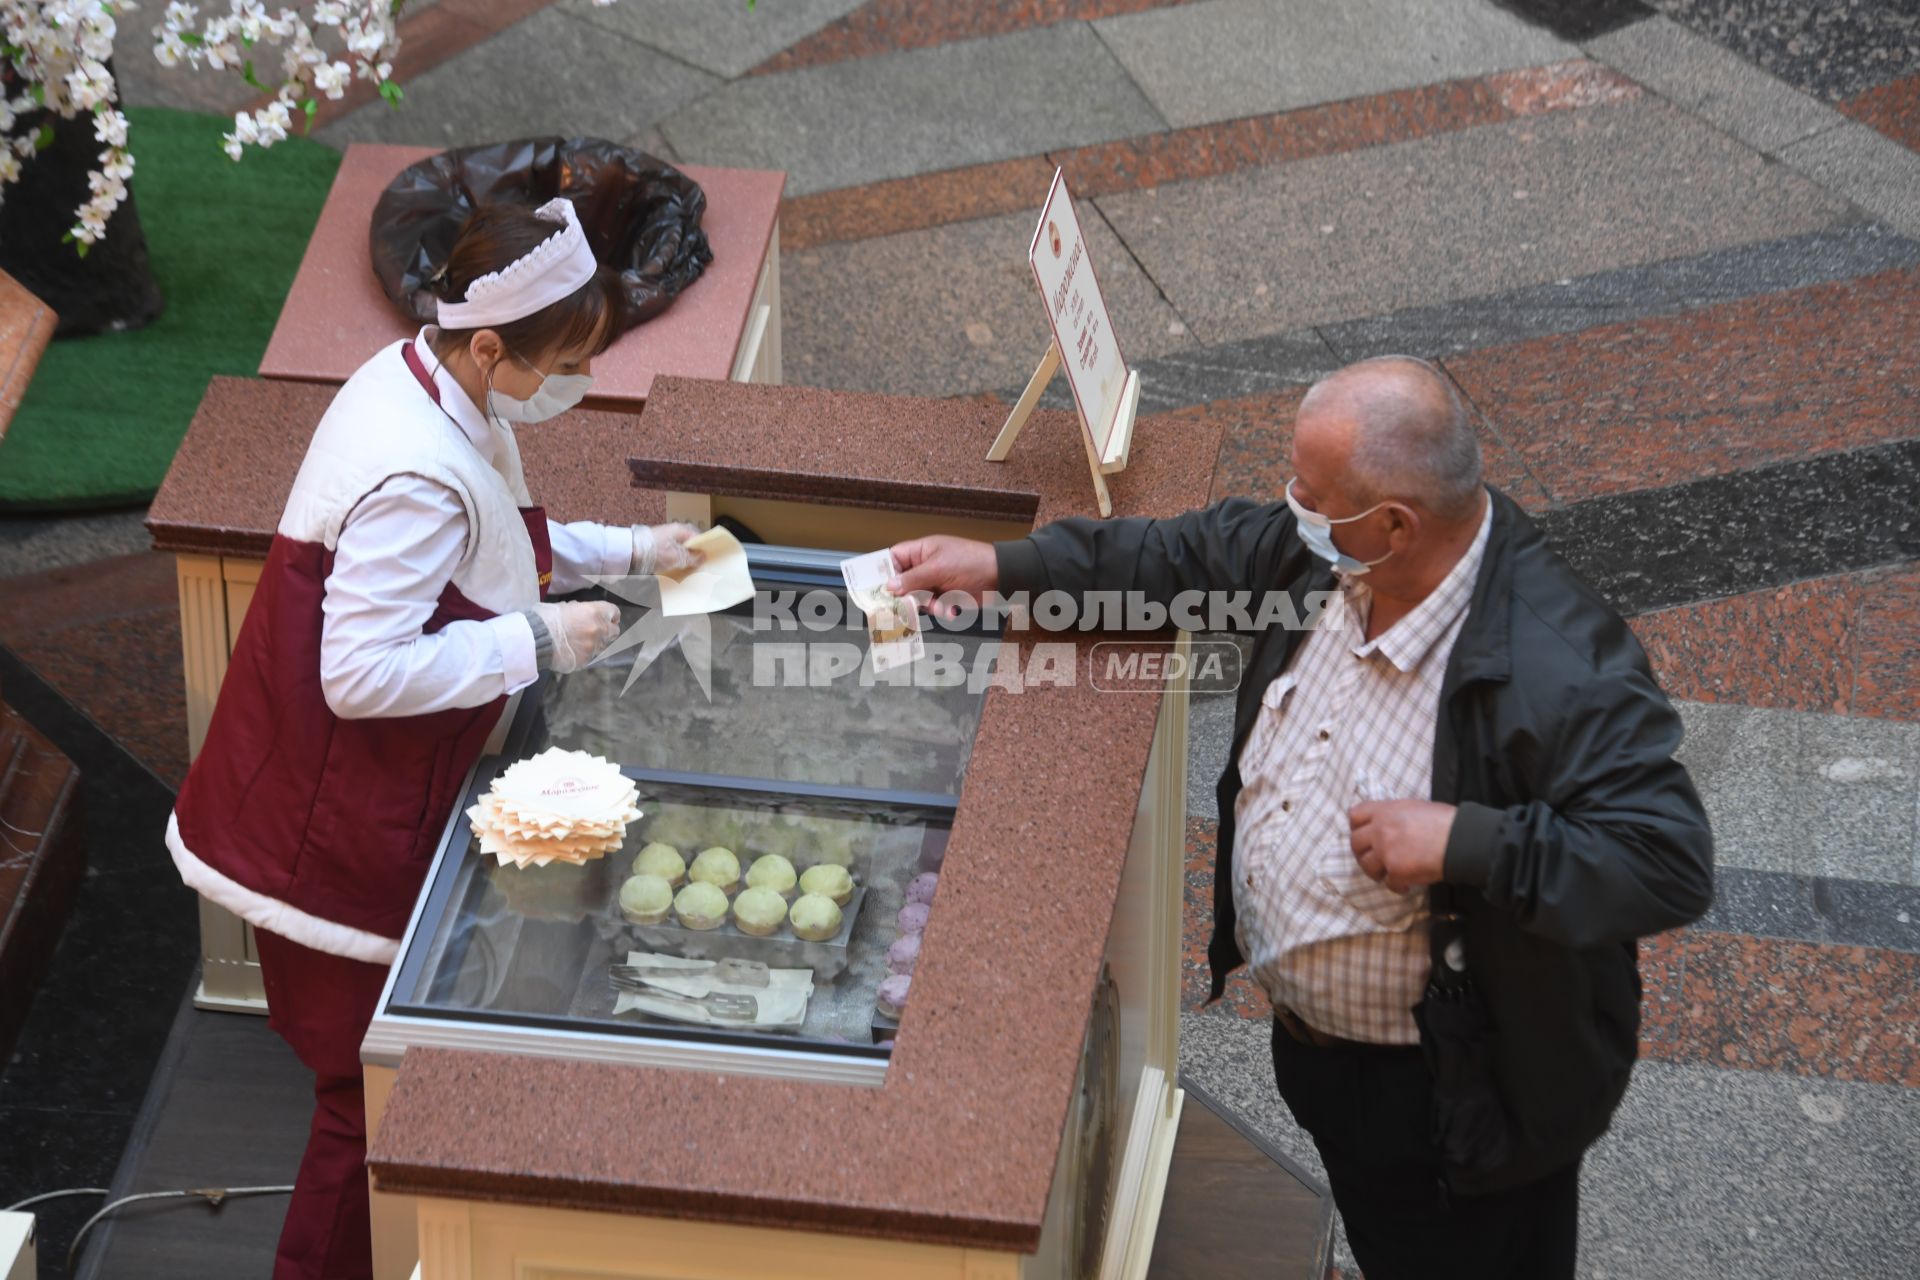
214, 1196
56, 1195
18, 852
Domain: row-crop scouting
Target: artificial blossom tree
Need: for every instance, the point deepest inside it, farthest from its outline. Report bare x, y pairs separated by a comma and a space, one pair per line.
66, 157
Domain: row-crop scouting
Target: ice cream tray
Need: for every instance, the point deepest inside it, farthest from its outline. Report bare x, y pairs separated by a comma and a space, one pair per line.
780, 950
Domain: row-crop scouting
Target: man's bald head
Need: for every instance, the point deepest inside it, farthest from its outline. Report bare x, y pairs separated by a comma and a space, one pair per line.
1406, 431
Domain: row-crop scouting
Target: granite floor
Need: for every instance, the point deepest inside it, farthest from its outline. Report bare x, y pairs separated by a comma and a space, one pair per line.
1670, 251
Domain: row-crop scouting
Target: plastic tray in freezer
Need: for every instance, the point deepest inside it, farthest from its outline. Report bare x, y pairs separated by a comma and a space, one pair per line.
782, 950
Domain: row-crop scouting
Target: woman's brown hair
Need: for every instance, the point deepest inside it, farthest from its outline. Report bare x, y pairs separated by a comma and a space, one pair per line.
498, 234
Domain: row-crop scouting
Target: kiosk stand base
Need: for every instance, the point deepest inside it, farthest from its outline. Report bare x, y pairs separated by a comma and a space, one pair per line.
1119, 443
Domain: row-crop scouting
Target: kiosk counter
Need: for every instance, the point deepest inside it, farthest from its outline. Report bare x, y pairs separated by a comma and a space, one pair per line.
532, 1117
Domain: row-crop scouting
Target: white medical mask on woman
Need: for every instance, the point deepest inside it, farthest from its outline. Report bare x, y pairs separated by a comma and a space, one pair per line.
558, 393
1316, 531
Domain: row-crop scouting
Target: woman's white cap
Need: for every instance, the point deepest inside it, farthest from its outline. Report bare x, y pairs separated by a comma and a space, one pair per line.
549, 272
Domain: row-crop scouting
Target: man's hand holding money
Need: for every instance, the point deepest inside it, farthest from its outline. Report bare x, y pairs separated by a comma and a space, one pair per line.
943, 563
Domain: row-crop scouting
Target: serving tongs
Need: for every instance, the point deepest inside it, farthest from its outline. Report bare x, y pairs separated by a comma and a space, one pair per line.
738, 973
732, 1006
721, 1004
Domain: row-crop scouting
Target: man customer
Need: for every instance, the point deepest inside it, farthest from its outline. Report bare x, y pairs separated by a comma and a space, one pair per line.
1450, 809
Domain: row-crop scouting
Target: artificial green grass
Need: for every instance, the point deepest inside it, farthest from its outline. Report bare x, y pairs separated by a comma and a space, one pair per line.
103, 415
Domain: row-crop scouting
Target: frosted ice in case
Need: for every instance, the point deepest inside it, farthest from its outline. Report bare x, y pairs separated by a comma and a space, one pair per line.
855, 772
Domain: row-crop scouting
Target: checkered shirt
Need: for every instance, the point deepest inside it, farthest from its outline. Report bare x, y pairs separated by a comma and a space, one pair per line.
1350, 720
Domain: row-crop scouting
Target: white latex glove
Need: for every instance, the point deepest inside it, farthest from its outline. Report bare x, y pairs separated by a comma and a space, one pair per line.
661, 548
580, 630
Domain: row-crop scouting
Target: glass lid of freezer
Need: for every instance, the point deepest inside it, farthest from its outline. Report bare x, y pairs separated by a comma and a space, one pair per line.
795, 808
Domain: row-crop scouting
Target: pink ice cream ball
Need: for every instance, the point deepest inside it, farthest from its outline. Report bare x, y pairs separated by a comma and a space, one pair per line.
893, 994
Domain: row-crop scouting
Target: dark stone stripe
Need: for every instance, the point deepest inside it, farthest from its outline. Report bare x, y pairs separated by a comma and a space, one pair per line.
1577, 19
1652, 549
1824, 909
1746, 1003
1832, 49
1225, 372
1672, 287
1234, 369
1724, 535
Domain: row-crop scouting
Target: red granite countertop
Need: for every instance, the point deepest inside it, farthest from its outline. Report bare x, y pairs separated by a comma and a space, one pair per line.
959, 1145
228, 483
336, 316
26, 326
898, 452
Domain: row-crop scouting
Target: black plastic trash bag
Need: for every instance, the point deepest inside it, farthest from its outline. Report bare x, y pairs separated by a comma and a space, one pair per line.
641, 215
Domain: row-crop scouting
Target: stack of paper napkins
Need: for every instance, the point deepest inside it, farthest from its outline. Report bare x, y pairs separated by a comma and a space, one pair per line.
558, 806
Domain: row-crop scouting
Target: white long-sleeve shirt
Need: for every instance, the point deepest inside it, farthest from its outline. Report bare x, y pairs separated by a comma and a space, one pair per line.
397, 552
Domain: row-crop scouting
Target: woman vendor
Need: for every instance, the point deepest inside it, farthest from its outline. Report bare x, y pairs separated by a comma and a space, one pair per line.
403, 601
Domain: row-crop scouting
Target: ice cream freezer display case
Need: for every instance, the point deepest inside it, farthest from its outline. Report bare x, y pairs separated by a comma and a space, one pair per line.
783, 866
883, 978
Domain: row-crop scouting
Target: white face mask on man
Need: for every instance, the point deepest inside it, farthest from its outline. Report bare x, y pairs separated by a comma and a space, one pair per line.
558, 393
1316, 531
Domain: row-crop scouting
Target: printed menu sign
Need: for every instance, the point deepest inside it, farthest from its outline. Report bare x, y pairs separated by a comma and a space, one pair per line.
1078, 313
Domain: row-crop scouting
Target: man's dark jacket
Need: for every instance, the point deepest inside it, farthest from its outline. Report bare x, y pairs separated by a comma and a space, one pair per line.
1576, 833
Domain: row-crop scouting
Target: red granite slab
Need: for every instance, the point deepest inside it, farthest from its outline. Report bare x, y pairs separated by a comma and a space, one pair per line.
1209, 150
1723, 999
1892, 108
1789, 647
1202, 151
1658, 401
26, 326
228, 483
51, 600
1663, 970
1256, 448
124, 675
106, 635
1560, 86
1848, 644
959, 1144
1205, 151
910, 204
336, 316
884, 26
1771, 1004
1886, 645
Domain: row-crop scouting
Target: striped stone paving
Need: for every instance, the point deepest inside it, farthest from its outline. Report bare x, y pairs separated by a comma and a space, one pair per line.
1670, 252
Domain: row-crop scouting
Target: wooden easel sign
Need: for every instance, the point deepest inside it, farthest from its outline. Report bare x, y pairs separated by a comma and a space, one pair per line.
1105, 393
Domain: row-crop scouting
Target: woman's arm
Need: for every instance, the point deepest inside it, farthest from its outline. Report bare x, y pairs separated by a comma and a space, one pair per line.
584, 550
397, 552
